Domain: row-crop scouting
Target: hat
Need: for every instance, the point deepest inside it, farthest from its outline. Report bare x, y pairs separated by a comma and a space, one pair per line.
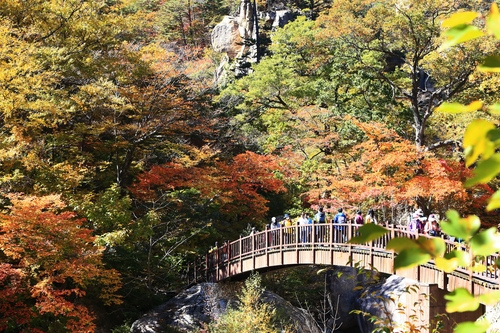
432, 218
419, 212
273, 219
287, 216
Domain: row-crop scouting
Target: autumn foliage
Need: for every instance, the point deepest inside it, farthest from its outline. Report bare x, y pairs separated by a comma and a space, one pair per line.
387, 170
235, 187
49, 265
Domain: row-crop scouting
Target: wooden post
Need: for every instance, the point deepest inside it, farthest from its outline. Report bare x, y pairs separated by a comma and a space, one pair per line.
349, 235
268, 234
216, 262
297, 234
392, 251
241, 252
228, 254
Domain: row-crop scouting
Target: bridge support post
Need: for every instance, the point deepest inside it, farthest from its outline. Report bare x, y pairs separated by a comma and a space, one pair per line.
241, 252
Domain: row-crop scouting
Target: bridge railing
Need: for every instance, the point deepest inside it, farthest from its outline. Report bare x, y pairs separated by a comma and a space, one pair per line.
323, 235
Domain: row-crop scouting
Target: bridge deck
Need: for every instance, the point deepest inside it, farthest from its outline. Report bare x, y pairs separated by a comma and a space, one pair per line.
325, 244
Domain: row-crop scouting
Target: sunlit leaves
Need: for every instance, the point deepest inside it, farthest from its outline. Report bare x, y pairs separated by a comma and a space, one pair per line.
493, 21
459, 108
494, 202
476, 142
485, 171
412, 253
459, 18
410, 258
368, 232
485, 242
463, 228
460, 34
491, 64
452, 260
460, 300
472, 327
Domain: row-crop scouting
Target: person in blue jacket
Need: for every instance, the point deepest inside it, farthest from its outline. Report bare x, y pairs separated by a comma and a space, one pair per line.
340, 218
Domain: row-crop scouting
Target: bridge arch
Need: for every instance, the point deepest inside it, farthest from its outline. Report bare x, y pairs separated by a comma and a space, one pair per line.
326, 244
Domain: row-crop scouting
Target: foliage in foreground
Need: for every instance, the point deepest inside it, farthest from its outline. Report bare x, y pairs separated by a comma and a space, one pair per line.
251, 316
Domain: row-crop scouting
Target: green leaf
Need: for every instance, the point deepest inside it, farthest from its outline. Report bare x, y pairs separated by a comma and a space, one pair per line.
460, 34
491, 65
494, 202
475, 140
410, 258
399, 244
446, 265
494, 136
485, 171
490, 298
486, 242
494, 109
367, 233
462, 257
472, 327
461, 228
460, 300
459, 108
434, 246
493, 21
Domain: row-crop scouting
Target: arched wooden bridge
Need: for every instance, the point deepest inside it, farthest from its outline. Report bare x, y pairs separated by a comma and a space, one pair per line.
326, 244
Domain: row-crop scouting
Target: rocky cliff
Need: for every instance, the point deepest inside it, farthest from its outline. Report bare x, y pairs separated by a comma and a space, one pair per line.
238, 37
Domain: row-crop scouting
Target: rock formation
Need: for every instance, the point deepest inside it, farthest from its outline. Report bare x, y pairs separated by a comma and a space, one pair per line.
196, 306
238, 36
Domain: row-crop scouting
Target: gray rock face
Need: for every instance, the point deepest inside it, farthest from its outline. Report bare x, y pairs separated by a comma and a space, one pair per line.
185, 311
492, 315
192, 308
236, 36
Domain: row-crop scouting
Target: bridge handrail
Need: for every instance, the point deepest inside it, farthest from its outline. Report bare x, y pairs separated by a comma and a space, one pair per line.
324, 235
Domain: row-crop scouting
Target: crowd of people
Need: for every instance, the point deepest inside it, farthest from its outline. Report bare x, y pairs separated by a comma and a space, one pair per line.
320, 217
424, 225
418, 223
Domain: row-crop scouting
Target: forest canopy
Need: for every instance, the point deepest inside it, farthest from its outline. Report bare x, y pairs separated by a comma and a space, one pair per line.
115, 134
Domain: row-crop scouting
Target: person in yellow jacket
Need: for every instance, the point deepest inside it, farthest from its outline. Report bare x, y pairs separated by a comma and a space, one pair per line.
287, 222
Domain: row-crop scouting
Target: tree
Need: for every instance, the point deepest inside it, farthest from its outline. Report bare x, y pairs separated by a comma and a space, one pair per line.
399, 44
387, 170
229, 191
51, 265
480, 143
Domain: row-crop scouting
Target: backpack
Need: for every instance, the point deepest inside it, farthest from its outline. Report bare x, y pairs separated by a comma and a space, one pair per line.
321, 217
359, 219
341, 218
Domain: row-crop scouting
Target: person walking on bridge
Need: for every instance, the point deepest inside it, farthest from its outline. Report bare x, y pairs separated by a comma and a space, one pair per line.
320, 218
339, 231
370, 217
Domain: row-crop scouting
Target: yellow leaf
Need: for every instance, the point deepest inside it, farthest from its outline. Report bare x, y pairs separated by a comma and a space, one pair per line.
493, 21
459, 18
475, 138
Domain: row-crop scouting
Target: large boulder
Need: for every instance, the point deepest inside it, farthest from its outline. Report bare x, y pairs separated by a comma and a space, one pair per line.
226, 37
196, 306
